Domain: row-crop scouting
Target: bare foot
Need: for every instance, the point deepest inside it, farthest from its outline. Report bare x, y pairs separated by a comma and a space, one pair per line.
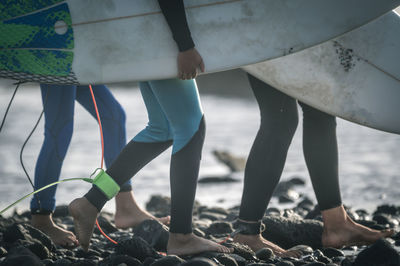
57, 234
257, 242
189, 244
129, 214
340, 230
85, 215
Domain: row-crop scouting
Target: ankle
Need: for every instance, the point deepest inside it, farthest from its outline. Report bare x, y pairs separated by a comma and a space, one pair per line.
180, 238
253, 228
41, 220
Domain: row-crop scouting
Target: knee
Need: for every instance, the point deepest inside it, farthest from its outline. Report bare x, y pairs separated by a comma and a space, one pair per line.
284, 122
59, 138
315, 118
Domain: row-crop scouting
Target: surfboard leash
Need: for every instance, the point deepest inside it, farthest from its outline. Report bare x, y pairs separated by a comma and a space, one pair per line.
89, 180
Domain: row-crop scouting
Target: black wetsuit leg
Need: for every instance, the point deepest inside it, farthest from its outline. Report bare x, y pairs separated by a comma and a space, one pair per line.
279, 119
321, 155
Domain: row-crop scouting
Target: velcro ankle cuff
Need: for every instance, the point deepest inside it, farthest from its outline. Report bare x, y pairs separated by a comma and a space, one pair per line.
106, 184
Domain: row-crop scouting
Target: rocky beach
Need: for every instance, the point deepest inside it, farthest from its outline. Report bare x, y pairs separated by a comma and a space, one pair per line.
21, 244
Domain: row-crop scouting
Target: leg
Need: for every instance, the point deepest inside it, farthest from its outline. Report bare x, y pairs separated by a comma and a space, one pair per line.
188, 128
58, 104
147, 145
128, 212
266, 160
321, 155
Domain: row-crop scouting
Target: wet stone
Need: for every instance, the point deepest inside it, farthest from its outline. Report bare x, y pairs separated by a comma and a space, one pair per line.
3, 252
379, 253
332, 252
284, 263
219, 227
212, 216
388, 209
317, 263
154, 233
148, 261
39, 250
217, 179
265, 254
120, 259
381, 219
159, 204
291, 232
21, 256
106, 225
171, 260
198, 232
226, 260
62, 262
243, 251
136, 248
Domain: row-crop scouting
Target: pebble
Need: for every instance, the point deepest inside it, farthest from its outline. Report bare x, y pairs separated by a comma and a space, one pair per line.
21, 244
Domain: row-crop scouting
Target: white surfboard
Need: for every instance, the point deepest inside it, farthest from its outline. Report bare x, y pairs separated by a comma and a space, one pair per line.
355, 76
102, 41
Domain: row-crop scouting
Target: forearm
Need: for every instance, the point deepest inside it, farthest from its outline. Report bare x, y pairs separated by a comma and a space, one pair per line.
174, 13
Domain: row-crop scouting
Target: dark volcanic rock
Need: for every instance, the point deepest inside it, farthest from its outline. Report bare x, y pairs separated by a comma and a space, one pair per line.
39, 250
291, 232
199, 262
3, 252
380, 253
159, 204
387, 209
234, 163
265, 254
212, 216
171, 260
21, 256
154, 233
137, 248
120, 260
26, 232
226, 260
106, 225
332, 252
288, 196
219, 227
243, 251
217, 179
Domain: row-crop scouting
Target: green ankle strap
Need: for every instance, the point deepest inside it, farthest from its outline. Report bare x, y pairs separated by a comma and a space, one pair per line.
106, 184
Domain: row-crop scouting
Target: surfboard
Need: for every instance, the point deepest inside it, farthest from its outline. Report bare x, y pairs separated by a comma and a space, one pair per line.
355, 76
103, 41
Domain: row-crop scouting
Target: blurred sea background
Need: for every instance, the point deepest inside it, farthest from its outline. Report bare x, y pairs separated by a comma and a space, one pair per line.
368, 159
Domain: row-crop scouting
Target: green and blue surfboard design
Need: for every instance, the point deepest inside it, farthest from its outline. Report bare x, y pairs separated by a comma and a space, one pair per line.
30, 47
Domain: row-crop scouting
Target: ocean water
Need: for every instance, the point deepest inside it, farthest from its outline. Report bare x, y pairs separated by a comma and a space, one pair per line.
369, 159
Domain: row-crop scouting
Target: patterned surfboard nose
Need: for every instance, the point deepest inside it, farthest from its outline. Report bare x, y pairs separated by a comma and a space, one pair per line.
36, 44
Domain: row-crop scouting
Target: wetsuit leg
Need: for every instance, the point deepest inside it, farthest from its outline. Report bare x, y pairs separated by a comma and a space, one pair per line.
321, 155
143, 148
180, 101
59, 101
112, 118
279, 119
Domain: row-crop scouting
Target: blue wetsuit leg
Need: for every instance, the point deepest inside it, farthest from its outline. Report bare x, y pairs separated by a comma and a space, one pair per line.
112, 117
59, 102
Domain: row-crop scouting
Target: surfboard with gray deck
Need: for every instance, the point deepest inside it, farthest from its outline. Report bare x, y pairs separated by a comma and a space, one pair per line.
355, 77
103, 41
